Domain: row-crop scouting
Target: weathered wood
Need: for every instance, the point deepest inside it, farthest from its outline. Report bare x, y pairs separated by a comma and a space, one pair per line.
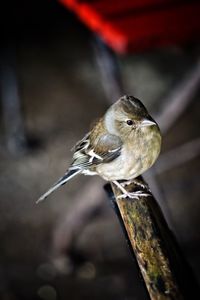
147, 233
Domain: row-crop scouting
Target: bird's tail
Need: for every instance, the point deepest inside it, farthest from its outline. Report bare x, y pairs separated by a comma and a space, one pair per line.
68, 175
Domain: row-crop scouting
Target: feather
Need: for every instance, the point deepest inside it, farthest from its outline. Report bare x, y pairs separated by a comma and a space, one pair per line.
68, 175
86, 157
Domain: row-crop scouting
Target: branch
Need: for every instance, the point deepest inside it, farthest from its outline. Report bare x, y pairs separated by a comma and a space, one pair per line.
152, 244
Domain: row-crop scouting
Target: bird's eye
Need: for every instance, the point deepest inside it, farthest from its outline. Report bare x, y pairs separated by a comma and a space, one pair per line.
129, 122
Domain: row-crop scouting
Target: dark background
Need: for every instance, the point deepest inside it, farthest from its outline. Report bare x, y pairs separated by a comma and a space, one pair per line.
71, 246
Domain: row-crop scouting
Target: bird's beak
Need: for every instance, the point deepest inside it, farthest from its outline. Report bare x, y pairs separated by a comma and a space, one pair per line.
147, 122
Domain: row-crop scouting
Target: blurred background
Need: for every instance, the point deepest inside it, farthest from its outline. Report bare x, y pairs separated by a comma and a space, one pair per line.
57, 74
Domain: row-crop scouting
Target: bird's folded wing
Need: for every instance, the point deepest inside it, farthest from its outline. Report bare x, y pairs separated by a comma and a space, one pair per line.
82, 144
87, 155
108, 147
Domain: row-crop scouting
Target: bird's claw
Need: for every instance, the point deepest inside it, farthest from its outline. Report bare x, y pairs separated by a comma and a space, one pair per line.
133, 195
136, 182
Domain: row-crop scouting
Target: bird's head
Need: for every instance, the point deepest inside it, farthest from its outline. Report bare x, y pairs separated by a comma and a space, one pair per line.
127, 117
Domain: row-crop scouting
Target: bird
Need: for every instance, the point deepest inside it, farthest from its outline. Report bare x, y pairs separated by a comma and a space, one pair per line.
120, 146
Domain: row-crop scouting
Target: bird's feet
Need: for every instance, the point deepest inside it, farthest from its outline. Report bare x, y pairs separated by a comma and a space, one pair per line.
138, 183
133, 195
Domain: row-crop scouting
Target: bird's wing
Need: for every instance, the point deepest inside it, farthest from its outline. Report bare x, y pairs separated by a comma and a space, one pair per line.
108, 147
82, 144
87, 155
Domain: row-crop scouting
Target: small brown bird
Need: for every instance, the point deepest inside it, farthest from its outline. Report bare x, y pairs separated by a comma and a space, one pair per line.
122, 145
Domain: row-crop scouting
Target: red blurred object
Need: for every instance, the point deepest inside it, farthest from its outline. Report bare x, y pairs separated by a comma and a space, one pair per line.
136, 25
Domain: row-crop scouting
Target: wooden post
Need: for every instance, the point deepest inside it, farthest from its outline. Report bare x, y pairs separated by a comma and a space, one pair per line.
152, 243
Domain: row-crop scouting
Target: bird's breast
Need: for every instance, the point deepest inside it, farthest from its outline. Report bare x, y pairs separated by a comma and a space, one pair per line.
137, 155
126, 166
